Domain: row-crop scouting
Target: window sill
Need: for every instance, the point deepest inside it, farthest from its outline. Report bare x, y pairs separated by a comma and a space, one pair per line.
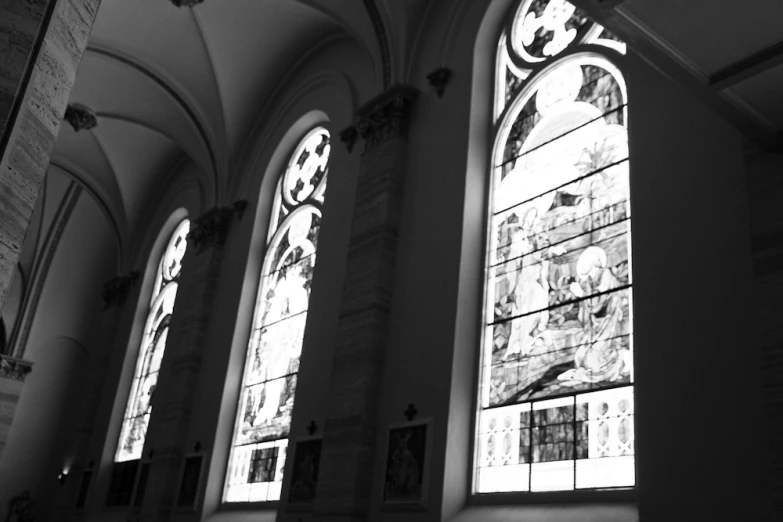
244, 512
550, 498
572, 512
270, 505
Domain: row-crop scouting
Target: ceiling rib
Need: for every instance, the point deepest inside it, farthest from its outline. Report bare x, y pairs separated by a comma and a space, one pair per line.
171, 91
749, 67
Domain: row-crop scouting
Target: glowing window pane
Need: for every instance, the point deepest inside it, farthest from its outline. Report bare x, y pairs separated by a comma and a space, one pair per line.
556, 394
258, 449
153, 344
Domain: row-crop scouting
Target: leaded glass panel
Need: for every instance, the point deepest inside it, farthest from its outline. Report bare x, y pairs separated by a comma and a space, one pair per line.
258, 450
556, 404
153, 345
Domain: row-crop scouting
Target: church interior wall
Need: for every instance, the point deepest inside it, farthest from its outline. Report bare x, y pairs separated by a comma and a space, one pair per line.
58, 344
696, 365
693, 308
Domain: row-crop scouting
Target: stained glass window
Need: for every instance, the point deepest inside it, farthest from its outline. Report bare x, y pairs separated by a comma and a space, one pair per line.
258, 450
556, 399
153, 344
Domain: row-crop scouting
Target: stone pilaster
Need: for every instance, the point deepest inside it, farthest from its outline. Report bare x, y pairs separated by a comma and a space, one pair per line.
12, 374
765, 190
182, 363
43, 42
349, 447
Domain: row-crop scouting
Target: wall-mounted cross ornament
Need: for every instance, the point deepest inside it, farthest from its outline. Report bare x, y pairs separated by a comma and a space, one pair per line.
312, 427
410, 412
197, 447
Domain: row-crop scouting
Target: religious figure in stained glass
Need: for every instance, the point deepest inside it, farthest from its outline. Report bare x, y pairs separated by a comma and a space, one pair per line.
153, 344
559, 304
272, 362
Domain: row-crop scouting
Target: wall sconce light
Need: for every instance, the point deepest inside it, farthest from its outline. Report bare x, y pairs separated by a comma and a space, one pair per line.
62, 476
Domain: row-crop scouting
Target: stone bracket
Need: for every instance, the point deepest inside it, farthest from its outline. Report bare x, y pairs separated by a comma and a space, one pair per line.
13, 368
80, 117
438, 79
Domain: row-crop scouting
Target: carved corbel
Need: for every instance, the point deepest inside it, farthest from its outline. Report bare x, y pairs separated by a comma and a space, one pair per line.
80, 117
13, 368
438, 79
211, 228
115, 290
386, 116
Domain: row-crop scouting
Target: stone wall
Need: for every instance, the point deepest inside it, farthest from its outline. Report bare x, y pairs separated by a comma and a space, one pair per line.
765, 194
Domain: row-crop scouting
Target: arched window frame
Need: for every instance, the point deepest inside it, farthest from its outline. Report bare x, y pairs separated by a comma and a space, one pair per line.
294, 223
152, 346
520, 74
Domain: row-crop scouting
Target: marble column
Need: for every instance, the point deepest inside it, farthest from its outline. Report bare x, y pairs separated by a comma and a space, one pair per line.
349, 445
12, 374
42, 42
173, 407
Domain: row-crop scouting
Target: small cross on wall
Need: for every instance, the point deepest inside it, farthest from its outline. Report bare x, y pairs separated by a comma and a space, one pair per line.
312, 427
410, 412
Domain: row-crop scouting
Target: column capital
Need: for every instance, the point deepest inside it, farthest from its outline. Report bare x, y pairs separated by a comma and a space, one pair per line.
386, 116
13, 368
115, 289
211, 228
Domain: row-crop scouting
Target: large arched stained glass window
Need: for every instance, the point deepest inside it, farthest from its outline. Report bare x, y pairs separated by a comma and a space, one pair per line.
255, 470
153, 344
556, 395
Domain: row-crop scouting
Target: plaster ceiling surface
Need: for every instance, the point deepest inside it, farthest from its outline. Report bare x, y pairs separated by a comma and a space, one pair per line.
712, 34
252, 45
763, 93
114, 90
81, 155
168, 82
140, 157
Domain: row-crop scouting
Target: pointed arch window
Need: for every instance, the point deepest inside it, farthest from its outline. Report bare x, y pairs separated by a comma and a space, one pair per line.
556, 406
258, 449
153, 344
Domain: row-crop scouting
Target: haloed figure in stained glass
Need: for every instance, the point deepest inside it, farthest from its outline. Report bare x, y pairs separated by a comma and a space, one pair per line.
557, 368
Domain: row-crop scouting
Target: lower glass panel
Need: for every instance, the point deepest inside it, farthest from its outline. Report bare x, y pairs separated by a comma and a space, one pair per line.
255, 472
575, 442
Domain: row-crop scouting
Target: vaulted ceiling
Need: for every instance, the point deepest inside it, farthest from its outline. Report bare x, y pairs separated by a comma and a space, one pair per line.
173, 84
